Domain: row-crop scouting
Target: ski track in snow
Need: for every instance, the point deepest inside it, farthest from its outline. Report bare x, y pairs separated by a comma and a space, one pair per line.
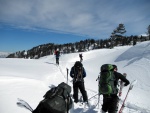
131, 108
17, 82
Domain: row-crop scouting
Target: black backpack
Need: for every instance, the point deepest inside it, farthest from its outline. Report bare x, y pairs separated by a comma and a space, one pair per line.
107, 79
77, 65
56, 100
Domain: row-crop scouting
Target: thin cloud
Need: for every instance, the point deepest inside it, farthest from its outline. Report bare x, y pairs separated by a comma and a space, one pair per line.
95, 18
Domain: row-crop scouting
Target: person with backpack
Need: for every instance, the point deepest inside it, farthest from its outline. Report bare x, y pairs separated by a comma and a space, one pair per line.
57, 55
81, 57
78, 73
108, 87
56, 100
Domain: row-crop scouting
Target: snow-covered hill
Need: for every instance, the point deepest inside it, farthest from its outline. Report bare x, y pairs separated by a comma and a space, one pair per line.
4, 54
29, 79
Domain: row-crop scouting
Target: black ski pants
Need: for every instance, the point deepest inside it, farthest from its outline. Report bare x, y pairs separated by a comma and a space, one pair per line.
79, 85
57, 61
110, 103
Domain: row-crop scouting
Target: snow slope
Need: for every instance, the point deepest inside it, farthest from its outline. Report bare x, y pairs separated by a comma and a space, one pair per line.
29, 79
4, 54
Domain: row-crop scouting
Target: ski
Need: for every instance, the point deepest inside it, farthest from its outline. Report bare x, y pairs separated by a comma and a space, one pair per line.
98, 79
22, 103
121, 85
130, 88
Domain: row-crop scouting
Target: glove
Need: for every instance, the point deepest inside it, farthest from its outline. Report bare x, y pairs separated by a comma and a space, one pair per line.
72, 75
126, 84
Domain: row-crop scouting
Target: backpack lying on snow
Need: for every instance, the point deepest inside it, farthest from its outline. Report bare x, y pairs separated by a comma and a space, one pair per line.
56, 100
106, 81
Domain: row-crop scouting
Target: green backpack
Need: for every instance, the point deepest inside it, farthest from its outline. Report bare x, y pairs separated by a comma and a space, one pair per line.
106, 81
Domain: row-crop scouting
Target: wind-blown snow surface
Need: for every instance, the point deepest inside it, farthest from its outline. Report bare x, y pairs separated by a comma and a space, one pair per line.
29, 79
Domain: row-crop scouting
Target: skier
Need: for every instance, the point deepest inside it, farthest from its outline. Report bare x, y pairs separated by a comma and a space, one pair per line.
81, 59
110, 102
57, 55
78, 73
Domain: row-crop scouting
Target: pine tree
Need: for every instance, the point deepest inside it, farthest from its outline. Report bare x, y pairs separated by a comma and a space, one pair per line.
117, 35
120, 29
148, 31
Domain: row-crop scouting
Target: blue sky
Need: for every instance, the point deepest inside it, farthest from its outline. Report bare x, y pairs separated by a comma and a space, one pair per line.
28, 23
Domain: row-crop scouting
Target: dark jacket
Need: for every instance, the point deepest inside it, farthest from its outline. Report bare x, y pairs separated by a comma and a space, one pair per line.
121, 77
57, 54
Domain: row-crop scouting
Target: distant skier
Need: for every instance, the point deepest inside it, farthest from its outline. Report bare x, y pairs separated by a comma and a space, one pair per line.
110, 101
57, 55
81, 57
78, 73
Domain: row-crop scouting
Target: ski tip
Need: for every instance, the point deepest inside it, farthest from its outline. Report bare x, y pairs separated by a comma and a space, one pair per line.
134, 82
19, 99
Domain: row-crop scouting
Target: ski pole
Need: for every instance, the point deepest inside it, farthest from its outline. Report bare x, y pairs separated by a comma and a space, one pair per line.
121, 109
92, 96
98, 101
98, 90
97, 78
67, 74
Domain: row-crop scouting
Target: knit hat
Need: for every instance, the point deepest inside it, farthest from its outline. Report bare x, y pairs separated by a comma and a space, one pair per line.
115, 67
78, 64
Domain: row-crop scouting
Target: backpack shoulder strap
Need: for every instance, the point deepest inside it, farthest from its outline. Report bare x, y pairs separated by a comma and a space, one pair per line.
74, 70
82, 72
114, 79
